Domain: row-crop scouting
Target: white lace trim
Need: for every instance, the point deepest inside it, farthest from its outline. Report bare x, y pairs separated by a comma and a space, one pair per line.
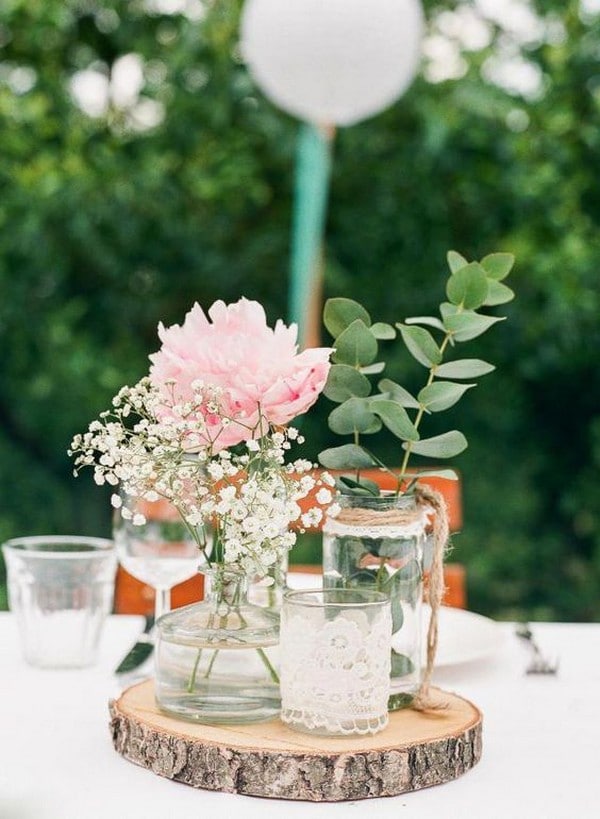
314, 721
335, 675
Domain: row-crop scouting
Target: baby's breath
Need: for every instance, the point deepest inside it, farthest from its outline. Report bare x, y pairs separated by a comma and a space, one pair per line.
248, 496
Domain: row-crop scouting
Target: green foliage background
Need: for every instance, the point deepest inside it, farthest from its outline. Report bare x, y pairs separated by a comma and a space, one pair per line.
106, 230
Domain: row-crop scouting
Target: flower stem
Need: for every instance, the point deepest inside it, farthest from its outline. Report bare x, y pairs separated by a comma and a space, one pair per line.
267, 663
211, 663
192, 680
408, 451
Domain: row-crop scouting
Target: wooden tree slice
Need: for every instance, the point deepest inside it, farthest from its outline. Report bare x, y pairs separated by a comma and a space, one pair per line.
269, 759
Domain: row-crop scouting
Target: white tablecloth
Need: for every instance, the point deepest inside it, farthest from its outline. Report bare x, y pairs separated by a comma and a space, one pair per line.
540, 743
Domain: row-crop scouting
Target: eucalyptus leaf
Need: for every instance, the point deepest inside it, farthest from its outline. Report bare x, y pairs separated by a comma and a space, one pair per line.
498, 293
464, 368
401, 665
373, 369
397, 614
498, 265
448, 474
447, 309
446, 445
406, 577
442, 395
356, 345
339, 313
353, 416
468, 287
368, 487
467, 325
363, 577
383, 331
455, 261
395, 418
397, 702
420, 344
344, 382
347, 456
398, 393
405, 584
430, 321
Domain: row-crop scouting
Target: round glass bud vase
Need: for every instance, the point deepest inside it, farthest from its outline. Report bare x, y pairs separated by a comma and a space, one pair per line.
377, 542
214, 660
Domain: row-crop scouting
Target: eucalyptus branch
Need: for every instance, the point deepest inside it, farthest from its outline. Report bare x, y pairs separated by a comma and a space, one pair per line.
361, 411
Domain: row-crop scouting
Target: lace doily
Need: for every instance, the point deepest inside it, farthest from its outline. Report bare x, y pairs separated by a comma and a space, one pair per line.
335, 674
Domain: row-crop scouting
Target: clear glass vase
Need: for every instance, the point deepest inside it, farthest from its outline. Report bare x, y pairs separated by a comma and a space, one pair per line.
215, 659
267, 591
377, 542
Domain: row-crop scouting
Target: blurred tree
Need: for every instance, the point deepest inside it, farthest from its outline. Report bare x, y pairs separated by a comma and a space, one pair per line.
140, 171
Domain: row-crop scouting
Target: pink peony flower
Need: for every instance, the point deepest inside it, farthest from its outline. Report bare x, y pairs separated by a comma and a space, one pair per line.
253, 364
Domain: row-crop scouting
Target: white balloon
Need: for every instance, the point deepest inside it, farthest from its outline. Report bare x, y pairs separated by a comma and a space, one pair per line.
332, 62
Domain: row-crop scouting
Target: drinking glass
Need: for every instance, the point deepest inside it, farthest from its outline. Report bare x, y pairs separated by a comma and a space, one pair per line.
335, 660
60, 590
161, 553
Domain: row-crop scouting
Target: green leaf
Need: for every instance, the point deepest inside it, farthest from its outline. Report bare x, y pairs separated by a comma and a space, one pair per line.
442, 395
403, 579
421, 345
455, 261
397, 614
498, 265
401, 665
339, 313
355, 345
363, 577
468, 325
396, 702
365, 486
373, 369
395, 418
464, 368
353, 416
446, 445
430, 321
448, 474
498, 293
398, 393
348, 456
447, 309
344, 381
468, 287
383, 331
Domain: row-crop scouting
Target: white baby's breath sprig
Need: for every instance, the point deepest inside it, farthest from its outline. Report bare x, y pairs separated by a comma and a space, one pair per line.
153, 446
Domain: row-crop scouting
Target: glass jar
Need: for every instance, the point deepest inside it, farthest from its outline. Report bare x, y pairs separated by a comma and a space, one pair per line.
377, 542
335, 661
215, 659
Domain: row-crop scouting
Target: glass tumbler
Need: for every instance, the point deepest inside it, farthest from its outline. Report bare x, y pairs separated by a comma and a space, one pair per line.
335, 660
60, 590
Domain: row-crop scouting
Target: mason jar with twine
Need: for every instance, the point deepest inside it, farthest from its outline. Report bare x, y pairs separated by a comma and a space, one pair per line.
404, 521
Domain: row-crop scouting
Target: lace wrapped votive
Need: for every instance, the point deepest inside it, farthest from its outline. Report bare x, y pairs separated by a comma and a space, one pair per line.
335, 660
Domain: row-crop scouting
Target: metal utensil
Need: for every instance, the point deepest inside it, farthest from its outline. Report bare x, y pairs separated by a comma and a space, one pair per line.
140, 651
539, 664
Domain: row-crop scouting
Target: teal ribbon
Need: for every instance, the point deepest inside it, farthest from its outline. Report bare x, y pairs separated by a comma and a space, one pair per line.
311, 186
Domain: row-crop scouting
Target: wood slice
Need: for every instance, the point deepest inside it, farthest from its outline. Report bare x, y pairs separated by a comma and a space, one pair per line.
269, 759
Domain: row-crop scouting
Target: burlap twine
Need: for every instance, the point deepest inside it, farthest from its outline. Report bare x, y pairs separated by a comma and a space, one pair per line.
426, 498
